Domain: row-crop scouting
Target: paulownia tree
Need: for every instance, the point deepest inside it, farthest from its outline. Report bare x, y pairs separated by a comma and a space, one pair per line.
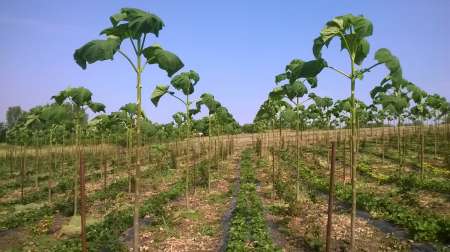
36, 125
352, 31
323, 107
184, 82
439, 108
394, 93
420, 112
272, 111
81, 99
134, 25
212, 105
297, 72
129, 118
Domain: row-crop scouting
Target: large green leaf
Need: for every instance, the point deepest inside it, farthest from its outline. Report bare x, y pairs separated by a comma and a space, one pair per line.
185, 82
384, 56
296, 89
60, 97
337, 22
209, 101
96, 50
317, 47
312, 68
362, 26
312, 82
294, 69
97, 107
158, 92
80, 96
297, 69
139, 21
276, 94
165, 59
280, 77
362, 51
129, 108
121, 31
328, 32
351, 30
118, 17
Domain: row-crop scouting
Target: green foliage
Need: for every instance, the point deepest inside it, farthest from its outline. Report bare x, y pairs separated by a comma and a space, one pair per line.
157, 93
80, 96
132, 24
185, 82
165, 59
201, 173
384, 56
97, 50
296, 73
413, 182
22, 216
3, 129
422, 225
137, 22
209, 101
13, 114
104, 236
248, 231
352, 32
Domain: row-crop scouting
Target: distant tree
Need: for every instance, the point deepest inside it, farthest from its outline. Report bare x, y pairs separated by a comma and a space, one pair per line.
248, 128
13, 114
2, 132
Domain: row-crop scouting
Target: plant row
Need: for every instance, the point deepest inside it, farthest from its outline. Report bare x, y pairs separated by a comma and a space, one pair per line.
248, 231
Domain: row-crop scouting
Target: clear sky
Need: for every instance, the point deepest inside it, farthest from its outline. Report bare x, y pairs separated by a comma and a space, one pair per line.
237, 47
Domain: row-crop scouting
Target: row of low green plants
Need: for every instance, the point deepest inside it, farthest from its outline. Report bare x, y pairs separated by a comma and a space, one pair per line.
409, 160
406, 182
411, 181
61, 185
34, 212
422, 225
65, 183
248, 231
104, 236
284, 190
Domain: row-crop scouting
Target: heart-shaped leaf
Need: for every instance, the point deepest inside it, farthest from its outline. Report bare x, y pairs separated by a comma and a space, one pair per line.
97, 50
158, 92
165, 59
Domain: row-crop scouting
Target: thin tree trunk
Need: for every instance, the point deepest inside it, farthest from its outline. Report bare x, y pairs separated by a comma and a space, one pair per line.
422, 143
138, 162
82, 201
297, 158
353, 162
22, 173
209, 153
331, 197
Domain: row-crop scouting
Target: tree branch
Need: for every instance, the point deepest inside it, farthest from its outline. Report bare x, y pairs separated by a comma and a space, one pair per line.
339, 71
143, 42
129, 60
132, 43
370, 68
178, 98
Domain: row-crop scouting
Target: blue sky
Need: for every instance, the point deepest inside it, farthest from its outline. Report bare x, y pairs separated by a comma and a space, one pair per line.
237, 47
